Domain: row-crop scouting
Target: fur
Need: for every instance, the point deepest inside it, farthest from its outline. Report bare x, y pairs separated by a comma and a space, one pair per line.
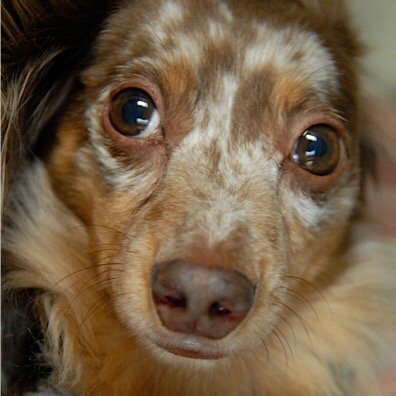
87, 212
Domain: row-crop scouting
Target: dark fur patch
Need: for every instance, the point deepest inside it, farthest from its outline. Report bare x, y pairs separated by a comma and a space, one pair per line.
44, 45
23, 364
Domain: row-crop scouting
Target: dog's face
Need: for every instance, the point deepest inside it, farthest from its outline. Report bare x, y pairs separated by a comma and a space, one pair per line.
213, 157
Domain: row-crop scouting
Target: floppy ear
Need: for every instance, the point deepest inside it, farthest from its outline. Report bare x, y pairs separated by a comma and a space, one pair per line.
44, 43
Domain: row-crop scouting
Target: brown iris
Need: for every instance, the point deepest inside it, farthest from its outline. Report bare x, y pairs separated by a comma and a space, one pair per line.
132, 113
318, 150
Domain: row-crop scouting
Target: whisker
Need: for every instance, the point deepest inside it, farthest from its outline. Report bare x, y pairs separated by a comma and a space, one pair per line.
111, 267
98, 304
92, 287
274, 331
267, 353
95, 225
286, 341
303, 322
283, 319
90, 267
312, 286
303, 299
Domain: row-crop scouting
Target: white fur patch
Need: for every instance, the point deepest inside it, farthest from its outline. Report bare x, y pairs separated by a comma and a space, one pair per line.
170, 15
305, 209
239, 168
221, 216
216, 31
171, 12
293, 51
311, 214
225, 12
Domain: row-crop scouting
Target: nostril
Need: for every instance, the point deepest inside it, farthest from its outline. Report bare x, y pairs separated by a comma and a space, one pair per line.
194, 299
176, 300
172, 298
219, 309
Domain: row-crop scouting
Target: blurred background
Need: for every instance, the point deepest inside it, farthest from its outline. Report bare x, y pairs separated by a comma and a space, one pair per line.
376, 22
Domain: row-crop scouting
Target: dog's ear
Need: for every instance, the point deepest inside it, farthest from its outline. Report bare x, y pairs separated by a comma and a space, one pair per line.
44, 43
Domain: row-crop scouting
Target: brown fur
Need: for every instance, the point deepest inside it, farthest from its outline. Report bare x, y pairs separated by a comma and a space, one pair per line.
90, 214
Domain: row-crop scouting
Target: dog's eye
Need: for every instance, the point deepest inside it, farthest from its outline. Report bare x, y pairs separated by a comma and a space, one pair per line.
132, 113
318, 150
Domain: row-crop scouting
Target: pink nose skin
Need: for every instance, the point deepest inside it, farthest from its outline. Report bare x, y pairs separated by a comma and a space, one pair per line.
209, 302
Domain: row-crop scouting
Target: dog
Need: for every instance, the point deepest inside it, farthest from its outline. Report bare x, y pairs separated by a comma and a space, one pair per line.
183, 194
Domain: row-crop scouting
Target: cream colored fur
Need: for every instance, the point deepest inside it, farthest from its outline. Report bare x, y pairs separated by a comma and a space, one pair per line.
93, 353
235, 85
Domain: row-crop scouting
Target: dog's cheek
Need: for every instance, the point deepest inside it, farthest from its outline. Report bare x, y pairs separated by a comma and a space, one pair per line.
96, 194
71, 171
316, 230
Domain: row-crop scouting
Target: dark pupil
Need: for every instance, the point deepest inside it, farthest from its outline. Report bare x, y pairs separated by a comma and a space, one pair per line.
137, 112
318, 150
131, 111
315, 146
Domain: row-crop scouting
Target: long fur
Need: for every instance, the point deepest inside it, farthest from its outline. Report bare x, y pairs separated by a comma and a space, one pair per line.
326, 340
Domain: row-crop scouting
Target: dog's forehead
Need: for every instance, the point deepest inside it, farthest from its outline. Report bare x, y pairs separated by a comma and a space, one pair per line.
217, 62
212, 38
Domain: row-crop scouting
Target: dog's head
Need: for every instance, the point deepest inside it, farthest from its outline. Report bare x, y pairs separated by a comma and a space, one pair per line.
214, 150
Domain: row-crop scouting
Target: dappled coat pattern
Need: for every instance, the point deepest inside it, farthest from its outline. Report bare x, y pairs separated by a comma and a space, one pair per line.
183, 200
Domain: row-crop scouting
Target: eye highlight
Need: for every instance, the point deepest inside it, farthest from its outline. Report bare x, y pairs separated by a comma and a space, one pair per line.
132, 113
318, 150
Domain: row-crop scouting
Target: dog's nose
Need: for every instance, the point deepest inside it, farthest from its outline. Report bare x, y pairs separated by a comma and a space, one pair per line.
209, 302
